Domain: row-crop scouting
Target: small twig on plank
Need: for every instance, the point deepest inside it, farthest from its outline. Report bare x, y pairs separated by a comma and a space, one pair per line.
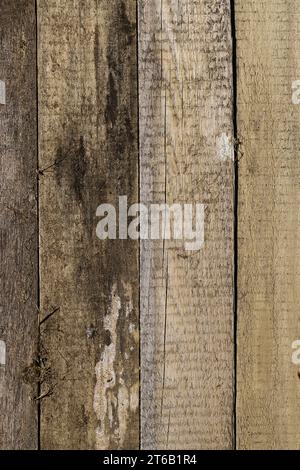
46, 394
49, 315
42, 171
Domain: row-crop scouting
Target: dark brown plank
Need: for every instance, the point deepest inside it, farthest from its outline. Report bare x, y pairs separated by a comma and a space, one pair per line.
18, 227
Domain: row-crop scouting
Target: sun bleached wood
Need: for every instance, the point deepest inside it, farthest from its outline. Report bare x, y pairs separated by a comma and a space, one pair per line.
186, 156
87, 156
268, 36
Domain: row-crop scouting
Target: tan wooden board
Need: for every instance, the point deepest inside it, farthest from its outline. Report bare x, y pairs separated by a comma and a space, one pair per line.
186, 156
268, 384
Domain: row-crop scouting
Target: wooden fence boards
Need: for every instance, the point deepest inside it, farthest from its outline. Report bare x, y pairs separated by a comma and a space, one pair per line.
93, 107
87, 156
268, 37
18, 227
186, 156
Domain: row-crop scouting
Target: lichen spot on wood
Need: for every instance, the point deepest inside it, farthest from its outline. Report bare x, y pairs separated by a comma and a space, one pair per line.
225, 148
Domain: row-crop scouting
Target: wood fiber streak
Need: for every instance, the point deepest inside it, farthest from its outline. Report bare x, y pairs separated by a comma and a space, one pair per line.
18, 227
87, 156
268, 38
186, 156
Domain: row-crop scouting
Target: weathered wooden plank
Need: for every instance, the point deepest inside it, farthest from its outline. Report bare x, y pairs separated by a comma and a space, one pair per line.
18, 227
88, 156
268, 35
186, 151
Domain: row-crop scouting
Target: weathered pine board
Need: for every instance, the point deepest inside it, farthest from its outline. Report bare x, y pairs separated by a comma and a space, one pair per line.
186, 156
87, 156
268, 40
18, 227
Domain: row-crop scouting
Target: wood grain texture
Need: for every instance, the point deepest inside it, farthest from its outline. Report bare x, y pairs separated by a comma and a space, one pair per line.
18, 227
186, 156
268, 412
87, 156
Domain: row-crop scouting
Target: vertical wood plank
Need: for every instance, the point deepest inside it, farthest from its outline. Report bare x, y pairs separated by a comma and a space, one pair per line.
18, 227
186, 152
88, 156
268, 413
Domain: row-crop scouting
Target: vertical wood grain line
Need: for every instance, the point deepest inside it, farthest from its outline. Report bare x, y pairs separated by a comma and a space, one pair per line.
236, 194
38, 223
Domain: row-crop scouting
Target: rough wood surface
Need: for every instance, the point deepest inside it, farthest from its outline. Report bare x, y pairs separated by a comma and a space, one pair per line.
87, 156
268, 412
186, 151
18, 227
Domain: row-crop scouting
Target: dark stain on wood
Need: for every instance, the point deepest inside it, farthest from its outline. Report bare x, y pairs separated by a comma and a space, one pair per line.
96, 329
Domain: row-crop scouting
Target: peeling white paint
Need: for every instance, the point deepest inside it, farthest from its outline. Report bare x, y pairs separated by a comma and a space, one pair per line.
2, 353
128, 293
105, 374
123, 408
2, 93
134, 397
111, 395
225, 148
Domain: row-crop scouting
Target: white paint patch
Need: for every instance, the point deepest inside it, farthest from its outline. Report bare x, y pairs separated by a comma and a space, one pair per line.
296, 92
123, 407
111, 394
296, 354
105, 375
128, 295
2, 93
134, 396
225, 148
2, 353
